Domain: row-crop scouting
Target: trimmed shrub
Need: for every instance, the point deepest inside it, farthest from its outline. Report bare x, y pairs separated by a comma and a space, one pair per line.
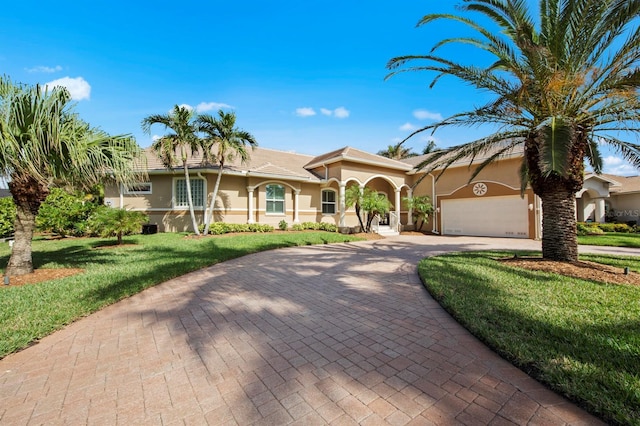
283, 225
615, 227
65, 214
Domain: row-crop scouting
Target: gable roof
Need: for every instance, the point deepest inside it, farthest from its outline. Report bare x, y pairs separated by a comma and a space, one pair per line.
622, 184
270, 162
357, 156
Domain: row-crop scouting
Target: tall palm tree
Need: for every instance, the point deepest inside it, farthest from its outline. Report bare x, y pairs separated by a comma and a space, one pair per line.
223, 141
565, 81
44, 144
178, 146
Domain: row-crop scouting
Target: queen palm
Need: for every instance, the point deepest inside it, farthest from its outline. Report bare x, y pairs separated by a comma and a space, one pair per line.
43, 144
223, 142
178, 146
565, 82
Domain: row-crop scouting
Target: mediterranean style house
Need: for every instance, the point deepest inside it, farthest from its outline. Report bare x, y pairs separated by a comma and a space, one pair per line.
276, 185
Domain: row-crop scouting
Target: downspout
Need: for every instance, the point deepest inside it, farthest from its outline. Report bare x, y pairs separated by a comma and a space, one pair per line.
206, 204
121, 195
435, 205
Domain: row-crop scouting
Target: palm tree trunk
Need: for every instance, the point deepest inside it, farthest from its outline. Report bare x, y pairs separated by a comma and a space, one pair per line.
357, 207
194, 222
28, 195
20, 262
559, 237
212, 204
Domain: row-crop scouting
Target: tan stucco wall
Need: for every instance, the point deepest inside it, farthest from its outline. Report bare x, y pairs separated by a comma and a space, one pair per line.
626, 207
232, 201
501, 179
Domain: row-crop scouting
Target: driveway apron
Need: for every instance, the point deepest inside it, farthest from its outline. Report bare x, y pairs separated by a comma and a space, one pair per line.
334, 334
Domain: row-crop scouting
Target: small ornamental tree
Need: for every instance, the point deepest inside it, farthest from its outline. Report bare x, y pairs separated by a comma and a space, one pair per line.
353, 197
374, 204
111, 222
421, 208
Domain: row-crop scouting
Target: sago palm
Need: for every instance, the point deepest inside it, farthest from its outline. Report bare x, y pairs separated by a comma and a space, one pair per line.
175, 148
565, 82
223, 141
43, 144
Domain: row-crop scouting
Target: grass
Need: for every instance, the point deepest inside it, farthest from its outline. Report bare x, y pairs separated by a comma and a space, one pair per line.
581, 338
613, 239
30, 312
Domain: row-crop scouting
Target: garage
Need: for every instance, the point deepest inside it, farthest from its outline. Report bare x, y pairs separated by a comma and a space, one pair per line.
504, 216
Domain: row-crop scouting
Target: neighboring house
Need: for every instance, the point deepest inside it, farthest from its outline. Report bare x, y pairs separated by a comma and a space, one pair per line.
609, 197
277, 185
4, 192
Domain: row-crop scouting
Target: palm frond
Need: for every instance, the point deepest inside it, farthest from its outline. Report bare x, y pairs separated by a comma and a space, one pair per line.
629, 151
555, 137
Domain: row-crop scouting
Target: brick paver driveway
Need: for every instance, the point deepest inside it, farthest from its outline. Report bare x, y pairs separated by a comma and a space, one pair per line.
335, 334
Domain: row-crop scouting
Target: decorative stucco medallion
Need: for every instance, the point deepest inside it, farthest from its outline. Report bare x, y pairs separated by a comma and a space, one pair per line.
480, 189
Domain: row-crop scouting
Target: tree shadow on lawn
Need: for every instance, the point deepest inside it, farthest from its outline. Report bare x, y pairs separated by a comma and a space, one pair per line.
327, 324
590, 350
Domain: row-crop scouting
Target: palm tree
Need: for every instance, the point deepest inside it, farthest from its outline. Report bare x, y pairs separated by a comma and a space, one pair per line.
429, 148
182, 141
564, 82
353, 197
397, 152
44, 144
223, 141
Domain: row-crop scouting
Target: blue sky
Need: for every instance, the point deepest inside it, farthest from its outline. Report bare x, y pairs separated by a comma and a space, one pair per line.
303, 76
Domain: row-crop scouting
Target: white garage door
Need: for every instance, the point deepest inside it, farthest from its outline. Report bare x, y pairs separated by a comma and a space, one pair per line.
506, 216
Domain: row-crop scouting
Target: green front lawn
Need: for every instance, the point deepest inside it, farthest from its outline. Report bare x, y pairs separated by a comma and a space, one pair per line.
32, 311
581, 338
613, 239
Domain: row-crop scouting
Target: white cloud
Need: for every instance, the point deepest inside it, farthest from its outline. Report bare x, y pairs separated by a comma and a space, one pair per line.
408, 127
305, 112
77, 87
325, 111
341, 112
44, 69
155, 137
187, 106
208, 106
423, 114
618, 166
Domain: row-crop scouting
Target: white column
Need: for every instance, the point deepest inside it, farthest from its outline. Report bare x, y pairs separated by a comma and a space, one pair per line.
410, 211
250, 190
599, 210
343, 204
398, 206
296, 207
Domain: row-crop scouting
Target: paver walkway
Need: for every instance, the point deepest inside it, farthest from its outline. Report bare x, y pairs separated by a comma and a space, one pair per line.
336, 334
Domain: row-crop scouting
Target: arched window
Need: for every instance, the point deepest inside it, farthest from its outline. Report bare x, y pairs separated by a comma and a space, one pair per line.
275, 199
328, 201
